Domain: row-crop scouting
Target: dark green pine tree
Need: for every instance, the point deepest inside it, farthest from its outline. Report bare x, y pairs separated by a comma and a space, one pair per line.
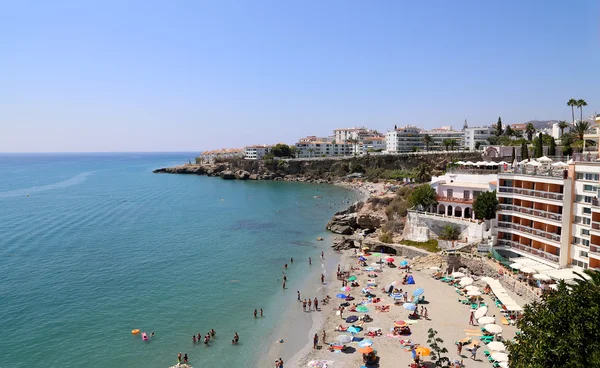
499, 129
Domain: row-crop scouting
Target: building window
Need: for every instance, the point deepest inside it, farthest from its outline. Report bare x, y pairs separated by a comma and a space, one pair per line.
585, 232
581, 264
578, 198
589, 188
583, 254
586, 211
466, 194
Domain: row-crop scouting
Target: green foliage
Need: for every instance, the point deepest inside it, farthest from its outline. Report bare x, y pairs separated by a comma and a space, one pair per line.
437, 349
431, 245
485, 206
399, 205
358, 168
562, 125
530, 131
427, 140
423, 173
572, 103
562, 329
566, 141
524, 151
580, 104
424, 195
539, 148
552, 147
293, 151
577, 132
512, 157
499, 129
268, 156
477, 145
281, 150
509, 132
493, 140
198, 159
386, 238
450, 232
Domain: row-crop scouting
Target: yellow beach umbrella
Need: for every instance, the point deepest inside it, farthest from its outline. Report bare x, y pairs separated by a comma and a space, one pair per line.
423, 351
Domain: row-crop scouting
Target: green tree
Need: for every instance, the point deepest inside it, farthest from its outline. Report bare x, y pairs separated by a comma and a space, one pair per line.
294, 151
524, 151
452, 143
281, 150
427, 140
566, 141
423, 173
562, 125
423, 195
561, 330
578, 131
493, 140
450, 232
509, 132
580, 104
530, 131
539, 146
446, 143
485, 206
552, 147
513, 156
572, 102
477, 145
499, 129
437, 349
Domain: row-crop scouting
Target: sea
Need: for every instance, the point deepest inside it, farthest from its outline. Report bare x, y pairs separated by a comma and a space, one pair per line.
94, 246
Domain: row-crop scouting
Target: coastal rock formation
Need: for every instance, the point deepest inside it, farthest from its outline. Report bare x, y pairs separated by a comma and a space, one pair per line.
342, 223
342, 242
228, 175
369, 220
242, 175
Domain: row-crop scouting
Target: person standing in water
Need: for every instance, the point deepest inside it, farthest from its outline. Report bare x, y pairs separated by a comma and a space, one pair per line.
322, 279
179, 358
255, 313
236, 338
309, 261
261, 312
322, 254
309, 304
291, 260
299, 296
185, 358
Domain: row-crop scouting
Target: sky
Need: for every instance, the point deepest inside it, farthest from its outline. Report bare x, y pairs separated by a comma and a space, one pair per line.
101, 76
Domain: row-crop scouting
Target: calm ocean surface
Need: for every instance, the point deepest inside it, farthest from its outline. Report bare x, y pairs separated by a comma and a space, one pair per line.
102, 246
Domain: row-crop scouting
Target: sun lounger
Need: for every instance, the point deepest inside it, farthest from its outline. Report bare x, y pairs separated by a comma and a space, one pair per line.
504, 321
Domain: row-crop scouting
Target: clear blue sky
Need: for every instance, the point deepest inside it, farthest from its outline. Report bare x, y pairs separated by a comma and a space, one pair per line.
193, 75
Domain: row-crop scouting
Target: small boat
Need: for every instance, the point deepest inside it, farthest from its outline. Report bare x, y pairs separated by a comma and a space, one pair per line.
144, 336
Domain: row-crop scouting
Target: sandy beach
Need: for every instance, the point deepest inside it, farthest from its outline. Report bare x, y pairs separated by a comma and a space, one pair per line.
445, 314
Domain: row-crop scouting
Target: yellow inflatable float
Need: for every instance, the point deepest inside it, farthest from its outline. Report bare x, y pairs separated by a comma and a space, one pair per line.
135, 332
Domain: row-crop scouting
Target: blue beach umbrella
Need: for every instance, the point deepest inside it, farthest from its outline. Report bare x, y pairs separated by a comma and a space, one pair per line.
370, 269
397, 296
418, 292
341, 296
403, 263
409, 306
365, 343
361, 258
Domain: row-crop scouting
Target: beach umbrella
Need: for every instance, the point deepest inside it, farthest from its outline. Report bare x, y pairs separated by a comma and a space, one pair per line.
503, 364
486, 320
409, 306
403, 263
397, 296
534, 163
390, 259
352, 278
457, 274
400, 324
376, 254
471, 288
497, 346
362, 258
527, 270
541, 276
481, 163
342, 296
544, 159
480, 312
345, 288
423, 351
365, 350
369, 269
364, 343
362, 309
351, 319
559, 164
418, 292
492, 164
515, 265
486, 279
500, 357
466, 281
469, 163
344, 338
365, 247
460, 162
493, 328
503, 163
474, 293
353, 329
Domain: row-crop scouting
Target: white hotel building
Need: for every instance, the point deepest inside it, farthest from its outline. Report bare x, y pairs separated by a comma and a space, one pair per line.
255, 152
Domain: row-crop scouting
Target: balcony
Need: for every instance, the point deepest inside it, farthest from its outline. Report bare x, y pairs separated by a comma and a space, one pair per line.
594, 249
529, 230
534, 252
532, 193
541, 171
531, 211
454, 199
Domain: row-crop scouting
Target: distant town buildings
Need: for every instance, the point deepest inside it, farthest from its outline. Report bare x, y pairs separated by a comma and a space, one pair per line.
476, 137
255, 152
224, 153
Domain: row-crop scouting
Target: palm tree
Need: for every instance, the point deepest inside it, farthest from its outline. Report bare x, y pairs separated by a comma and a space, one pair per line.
580, 104
578, 131
572, 102
446, 143
530, 131
423, 173
562, 125
427, 140
452, 143
593, 280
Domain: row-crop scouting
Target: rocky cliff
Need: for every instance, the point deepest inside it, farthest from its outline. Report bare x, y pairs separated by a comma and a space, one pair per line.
320, 170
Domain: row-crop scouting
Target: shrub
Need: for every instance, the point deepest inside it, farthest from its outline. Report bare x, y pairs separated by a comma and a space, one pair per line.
385, 238
450, 232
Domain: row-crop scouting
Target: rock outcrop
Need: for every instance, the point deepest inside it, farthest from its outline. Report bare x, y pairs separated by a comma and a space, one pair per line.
242, 175
228, 175
342, 243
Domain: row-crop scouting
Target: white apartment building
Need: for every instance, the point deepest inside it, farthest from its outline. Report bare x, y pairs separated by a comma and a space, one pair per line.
320, 149
439, 135
475, 135
225, 153
403, 139
357, 133
255, 152
373, 144
585, 227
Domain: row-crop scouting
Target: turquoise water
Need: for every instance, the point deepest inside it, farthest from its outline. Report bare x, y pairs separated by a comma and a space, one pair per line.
101, 246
